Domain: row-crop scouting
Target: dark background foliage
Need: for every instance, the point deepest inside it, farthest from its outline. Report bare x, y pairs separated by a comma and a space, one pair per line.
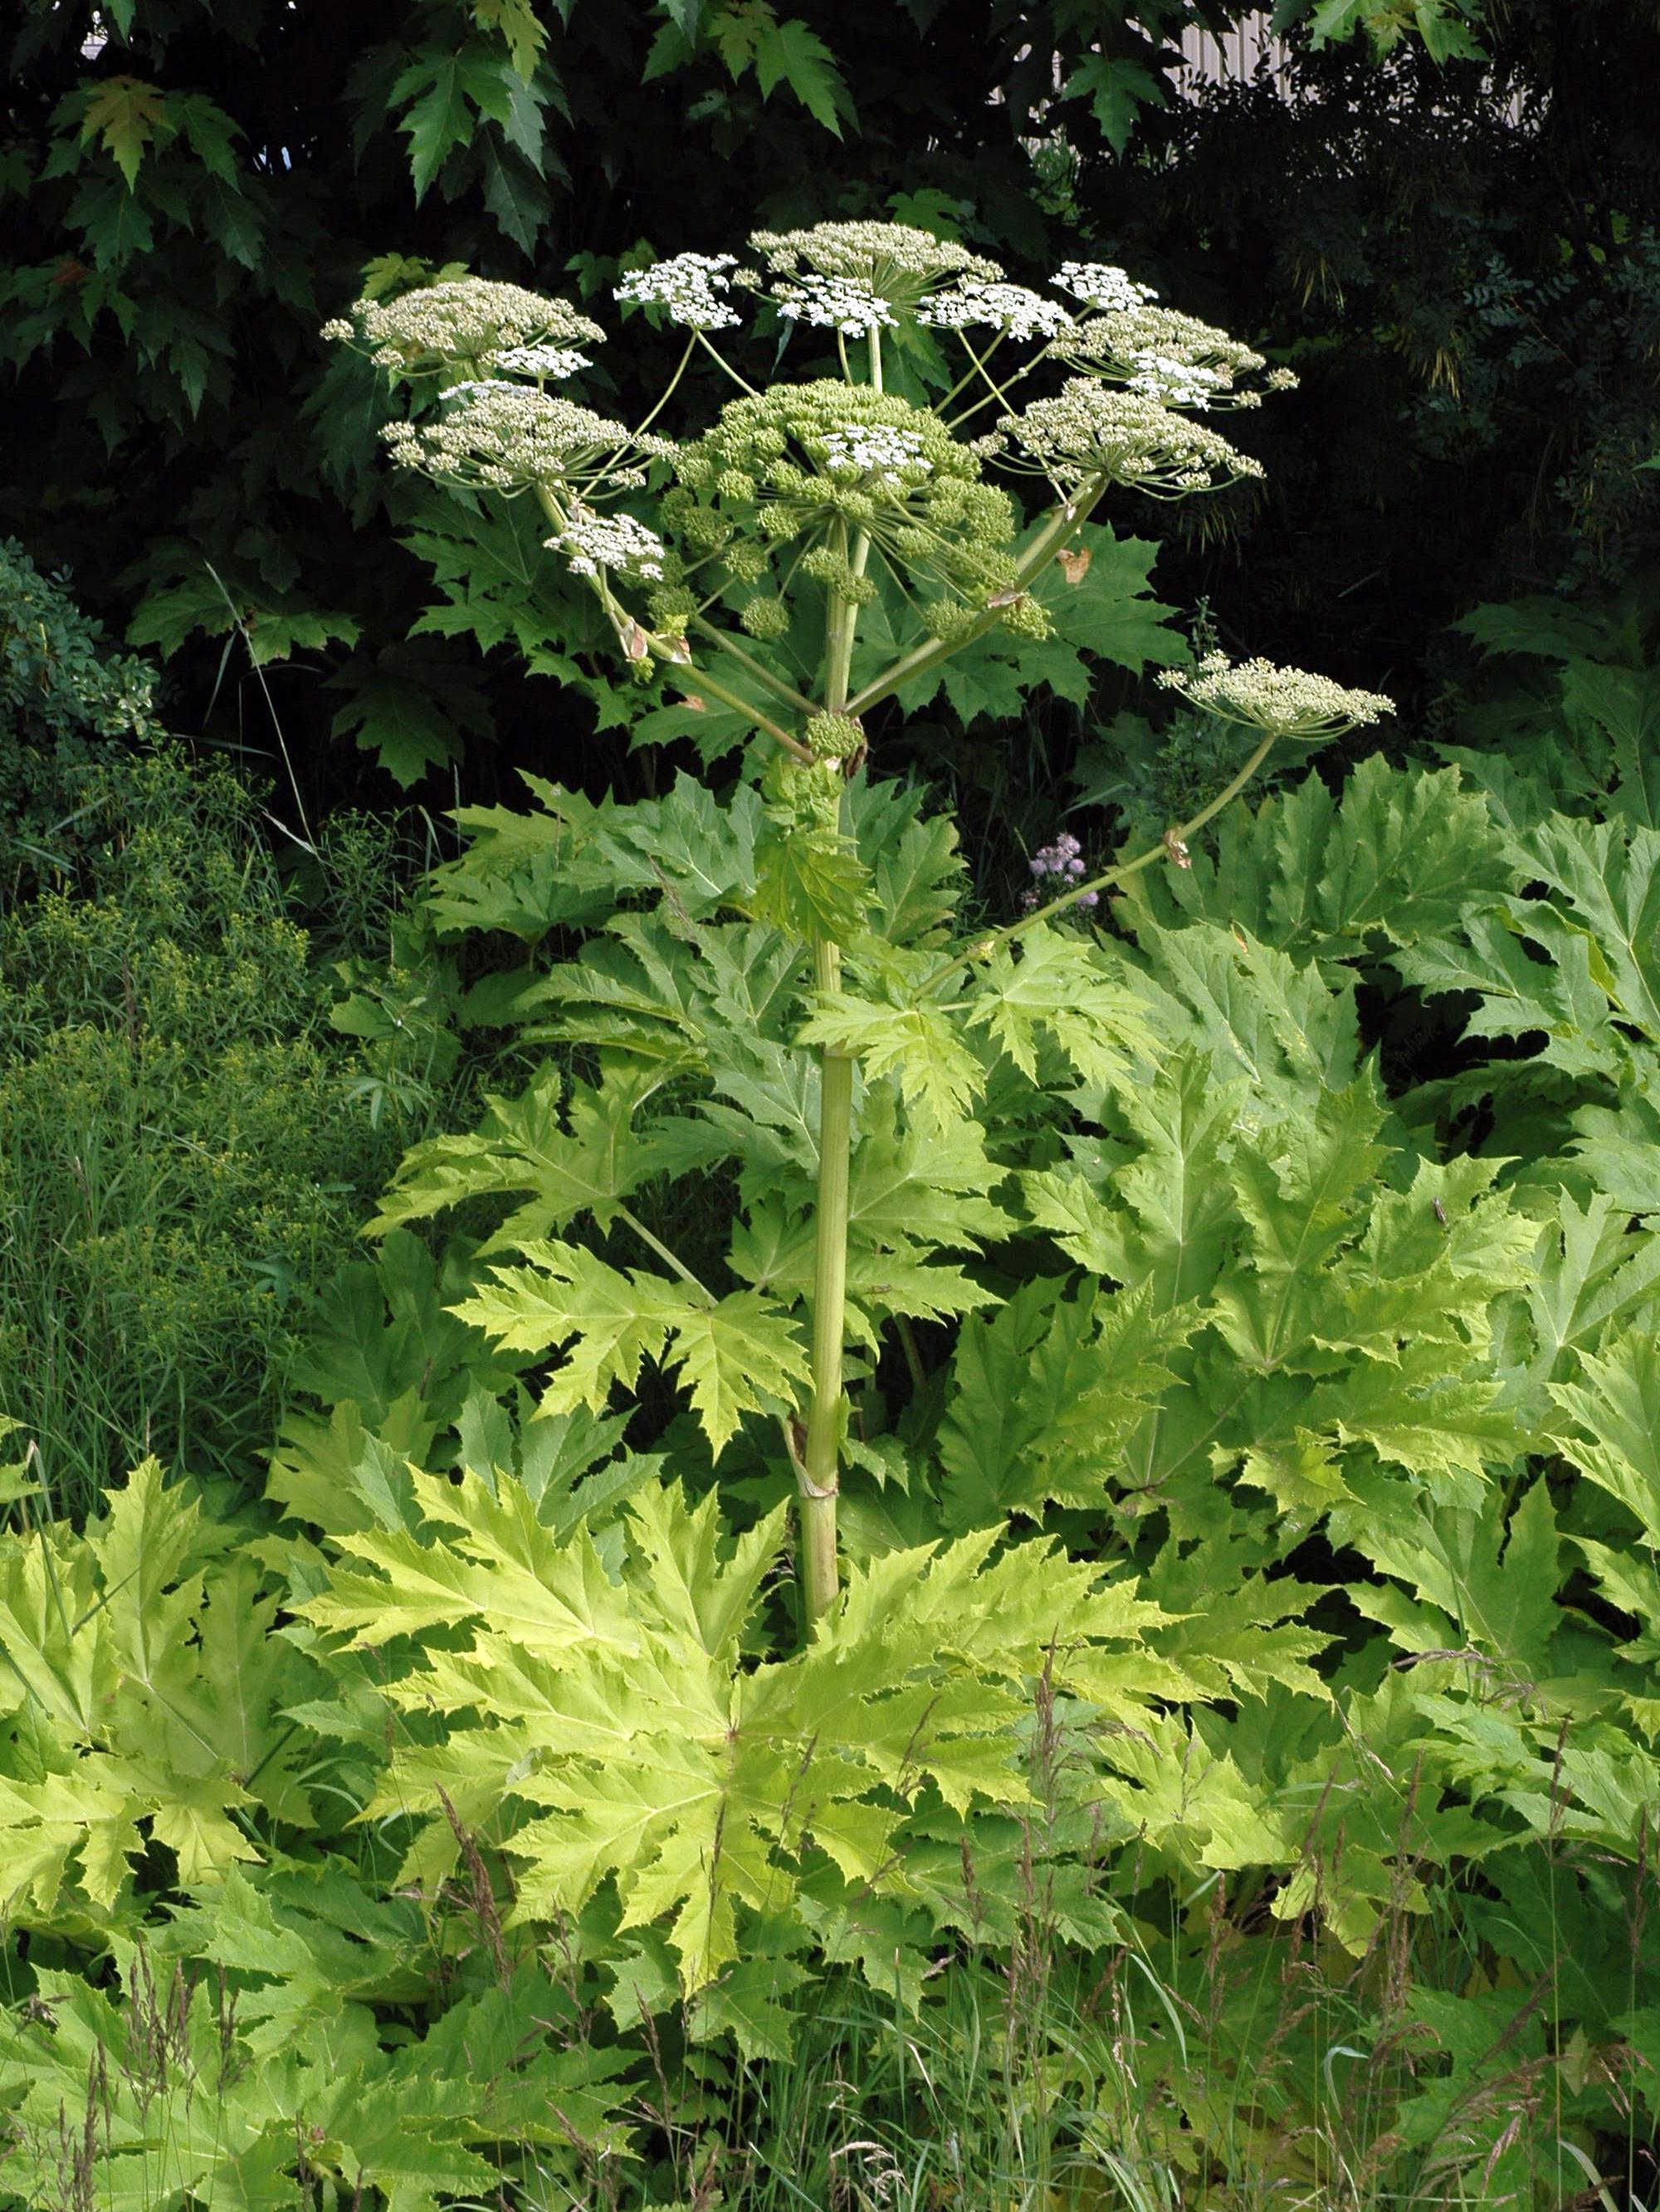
1456, 247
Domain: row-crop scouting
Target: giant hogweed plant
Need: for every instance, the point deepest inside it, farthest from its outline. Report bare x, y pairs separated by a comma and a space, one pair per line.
770, 994
1370, 1344
783, 984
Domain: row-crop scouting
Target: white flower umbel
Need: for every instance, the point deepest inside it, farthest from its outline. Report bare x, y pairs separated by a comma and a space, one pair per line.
1175, 357
591, 542
465, 320
888, 261
540, 361
507, 437
973, 305
1090, 430
861, 277
888, 451
846, 304
1098, 285
1285, 703
688, 287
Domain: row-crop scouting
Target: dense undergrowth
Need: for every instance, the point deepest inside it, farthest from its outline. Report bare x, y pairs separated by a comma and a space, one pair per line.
188, 1141
1226, 1776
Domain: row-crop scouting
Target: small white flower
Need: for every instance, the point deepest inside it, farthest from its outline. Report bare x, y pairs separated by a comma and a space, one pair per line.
504, 437
591, 542
688, 287
835, 303
893, 259
1177, 383
1008, 308
540, 361
1163, 355
1097, 284
879, 449
463, 319
1130, 437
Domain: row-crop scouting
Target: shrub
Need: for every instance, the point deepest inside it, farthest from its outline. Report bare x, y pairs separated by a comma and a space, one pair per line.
184, 1143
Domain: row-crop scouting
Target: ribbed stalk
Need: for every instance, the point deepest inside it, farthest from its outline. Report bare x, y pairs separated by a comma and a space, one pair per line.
818, 1468
818, 1476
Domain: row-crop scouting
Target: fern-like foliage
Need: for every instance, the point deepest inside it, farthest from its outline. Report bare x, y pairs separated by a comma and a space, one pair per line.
696, 999
236, 2061
143, 1699
631, 1732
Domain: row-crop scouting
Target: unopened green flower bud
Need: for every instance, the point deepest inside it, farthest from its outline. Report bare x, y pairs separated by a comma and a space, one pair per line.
765, 616
988, 512
950, 621
746, 561
735, 485
835, 737
703, 530
836, 573
810, 796
672, 606
1027, 618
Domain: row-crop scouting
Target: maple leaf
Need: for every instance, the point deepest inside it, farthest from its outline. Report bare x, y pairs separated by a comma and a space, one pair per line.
127, 115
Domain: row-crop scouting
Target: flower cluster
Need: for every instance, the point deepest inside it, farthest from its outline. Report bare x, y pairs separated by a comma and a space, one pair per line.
1167, 355
688, 287
833, 303
1088, 430
1173, 383
809, 466
1099, 285
539, 361
895, 261
825, 484
465, 320
1063, 859
591, 542
1288, 702
973, 304
888, 450
507, 437
835, 737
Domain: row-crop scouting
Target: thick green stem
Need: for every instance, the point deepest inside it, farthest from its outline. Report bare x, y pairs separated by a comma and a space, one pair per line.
841, 623
818, 1467
844, 612
818, 1470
